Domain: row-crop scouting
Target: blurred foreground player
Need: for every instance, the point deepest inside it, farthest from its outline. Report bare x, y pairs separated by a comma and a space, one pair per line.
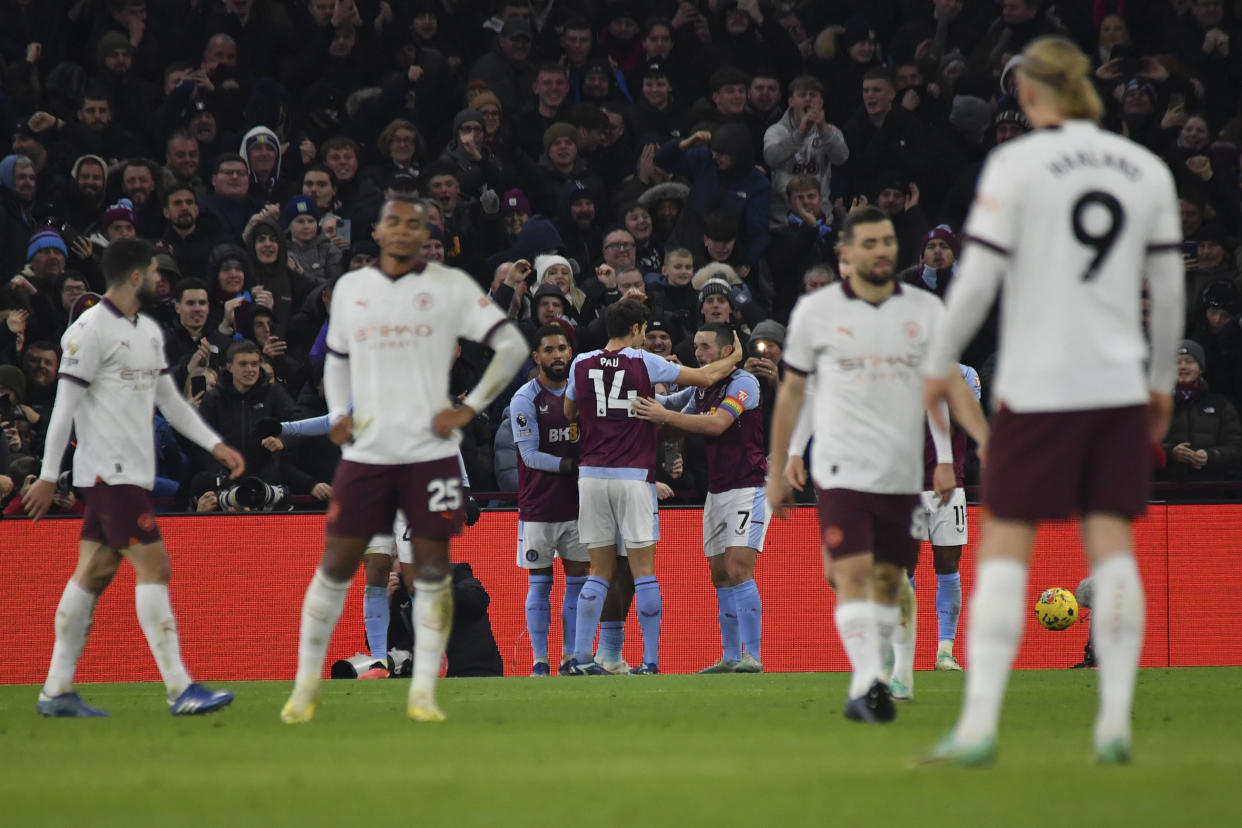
1070, 220
391, 342
112, 377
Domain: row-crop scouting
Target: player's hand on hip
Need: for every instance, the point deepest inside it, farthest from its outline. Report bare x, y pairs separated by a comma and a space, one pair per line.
342, 430
450, 418
38, 498
944, 481
1159, 415
795, 473
936, 391
231, 459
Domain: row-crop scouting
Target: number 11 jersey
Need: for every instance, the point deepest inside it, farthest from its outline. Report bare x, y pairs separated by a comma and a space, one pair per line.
1078, 212
614, 443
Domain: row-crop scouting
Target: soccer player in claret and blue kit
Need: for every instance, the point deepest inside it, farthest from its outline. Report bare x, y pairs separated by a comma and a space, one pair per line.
616, 471
730, 418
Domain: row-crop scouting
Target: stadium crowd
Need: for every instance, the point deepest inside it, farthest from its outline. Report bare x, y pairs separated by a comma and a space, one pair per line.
696, 155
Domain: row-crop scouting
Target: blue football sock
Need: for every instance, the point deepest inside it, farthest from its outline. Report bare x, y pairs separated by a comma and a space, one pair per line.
590, 605
375, 617
647, 600
538, 614
749, 611
948, 604
731, 645
611, 639
569, 611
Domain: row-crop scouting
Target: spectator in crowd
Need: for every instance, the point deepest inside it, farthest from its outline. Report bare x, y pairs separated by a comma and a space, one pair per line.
1205, 437
802, 142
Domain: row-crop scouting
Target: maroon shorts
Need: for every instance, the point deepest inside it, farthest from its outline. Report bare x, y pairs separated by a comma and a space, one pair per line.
856, 522
365, 499
1049, 465
119, 516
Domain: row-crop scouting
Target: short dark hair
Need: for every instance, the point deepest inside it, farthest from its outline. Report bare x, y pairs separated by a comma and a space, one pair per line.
176, 188
552, 330
338, 142
861, 215
137, 162
723, 333
187, 284
727, 76
720, 225
806, 82
123, 257
43, 345
404, 198
319, 166
880, 73
800, 182
620, 316
228, 158
241, 346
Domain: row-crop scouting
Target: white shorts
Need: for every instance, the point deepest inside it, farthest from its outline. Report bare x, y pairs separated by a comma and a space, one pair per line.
398, 541
738, 517
946, 524
611, 508
539, 543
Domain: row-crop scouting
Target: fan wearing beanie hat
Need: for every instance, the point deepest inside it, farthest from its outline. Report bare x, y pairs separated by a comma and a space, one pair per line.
118, 221
46, 239
1204, 441
940, 248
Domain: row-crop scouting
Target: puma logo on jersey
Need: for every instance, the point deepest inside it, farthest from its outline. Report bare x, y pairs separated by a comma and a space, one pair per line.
845, 331
362, 303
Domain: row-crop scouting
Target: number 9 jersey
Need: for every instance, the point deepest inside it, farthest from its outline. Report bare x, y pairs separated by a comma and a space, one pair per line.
1071, 222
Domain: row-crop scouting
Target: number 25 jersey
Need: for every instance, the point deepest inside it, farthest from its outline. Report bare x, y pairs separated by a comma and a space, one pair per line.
1077, 211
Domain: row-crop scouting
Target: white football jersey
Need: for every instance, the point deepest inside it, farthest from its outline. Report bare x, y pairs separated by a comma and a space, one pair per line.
118, 360
400, 337
1068, 222
868, 393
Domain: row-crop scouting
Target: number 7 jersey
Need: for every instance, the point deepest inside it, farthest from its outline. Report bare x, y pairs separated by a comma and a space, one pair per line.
614, 443
1078, 213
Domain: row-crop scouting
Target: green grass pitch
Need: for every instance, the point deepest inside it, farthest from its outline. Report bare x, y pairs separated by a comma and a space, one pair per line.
666, 750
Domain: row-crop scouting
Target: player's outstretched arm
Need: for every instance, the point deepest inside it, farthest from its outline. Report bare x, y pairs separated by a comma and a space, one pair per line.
712, 372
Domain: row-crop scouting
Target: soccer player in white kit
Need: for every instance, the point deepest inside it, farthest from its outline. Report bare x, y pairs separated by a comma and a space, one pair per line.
112, 377
1070, 220
865, 341
391, 341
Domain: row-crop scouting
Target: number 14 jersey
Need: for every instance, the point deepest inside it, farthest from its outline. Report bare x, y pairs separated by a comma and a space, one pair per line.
614, 443
1078, 212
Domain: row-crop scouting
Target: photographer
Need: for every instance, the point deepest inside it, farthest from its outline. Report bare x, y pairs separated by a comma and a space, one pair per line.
235, 406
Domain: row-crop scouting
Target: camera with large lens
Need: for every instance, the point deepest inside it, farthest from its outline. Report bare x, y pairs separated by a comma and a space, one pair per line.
252, 494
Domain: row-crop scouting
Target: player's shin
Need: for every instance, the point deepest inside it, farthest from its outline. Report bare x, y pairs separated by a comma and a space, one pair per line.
569, 613
730, 639
948, 607
856, 625
590, 605
650, 614
155, 616
997, 609
375, 618
538, 614
73, 623
321, 609
433, 622
905, 636
1117, 617
749, 608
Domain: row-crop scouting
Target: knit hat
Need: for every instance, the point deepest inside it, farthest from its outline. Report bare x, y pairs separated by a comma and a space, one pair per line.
559, 130
44, 239
12, 378
716, 287
515, 27
1186, 346
467, 116
548, 289
123, 210
514, 201
1142, 87
82, 304
299, 205
769, 330
485, 98
109, 43
715, 271
546, 260
971, 116
167, 265
857, 30
945, 234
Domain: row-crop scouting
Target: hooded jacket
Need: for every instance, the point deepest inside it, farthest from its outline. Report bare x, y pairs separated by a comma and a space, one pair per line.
788, 152
268, 185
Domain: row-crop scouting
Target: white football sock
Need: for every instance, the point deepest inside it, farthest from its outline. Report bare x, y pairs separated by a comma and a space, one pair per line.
321, 609
886, 620
905, 635
73, 623
433, 621
155, 616
996, 612
1117, 616
856, 625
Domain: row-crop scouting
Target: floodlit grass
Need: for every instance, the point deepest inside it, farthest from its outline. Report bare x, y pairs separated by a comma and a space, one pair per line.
665, 750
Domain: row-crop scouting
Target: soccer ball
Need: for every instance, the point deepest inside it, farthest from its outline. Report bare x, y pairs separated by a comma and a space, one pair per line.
1057, 609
